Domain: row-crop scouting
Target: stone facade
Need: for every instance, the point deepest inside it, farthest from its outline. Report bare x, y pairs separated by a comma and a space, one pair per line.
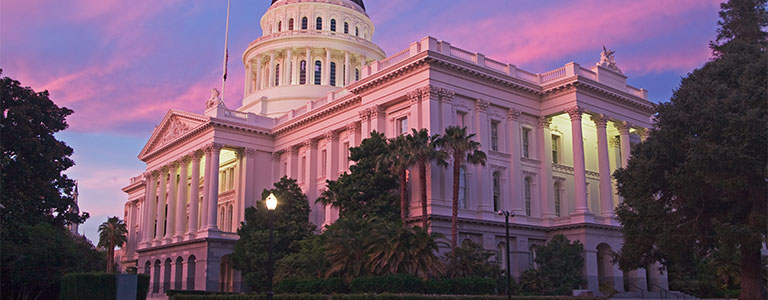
553, 139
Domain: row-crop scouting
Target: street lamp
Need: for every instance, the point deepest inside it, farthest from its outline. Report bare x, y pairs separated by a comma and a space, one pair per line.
506, 215
271, 202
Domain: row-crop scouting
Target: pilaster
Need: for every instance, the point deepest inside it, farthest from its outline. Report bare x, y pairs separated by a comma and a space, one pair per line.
483, 173
515, 172
545, 203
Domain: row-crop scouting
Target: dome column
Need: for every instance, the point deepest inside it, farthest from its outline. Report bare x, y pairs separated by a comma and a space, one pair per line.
346, 68
310, 69
287, 67
257, 75
327, 67
271, 78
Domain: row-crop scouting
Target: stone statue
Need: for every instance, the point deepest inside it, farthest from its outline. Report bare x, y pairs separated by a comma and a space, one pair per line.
608, 61
214, 100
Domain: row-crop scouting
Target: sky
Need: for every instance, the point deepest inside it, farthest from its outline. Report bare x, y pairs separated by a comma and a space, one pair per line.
121, 65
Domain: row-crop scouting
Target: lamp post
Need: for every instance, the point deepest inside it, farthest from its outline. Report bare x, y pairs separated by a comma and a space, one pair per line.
506, 215
271, 205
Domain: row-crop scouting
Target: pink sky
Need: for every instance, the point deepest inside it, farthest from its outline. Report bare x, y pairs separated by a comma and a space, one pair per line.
120, 65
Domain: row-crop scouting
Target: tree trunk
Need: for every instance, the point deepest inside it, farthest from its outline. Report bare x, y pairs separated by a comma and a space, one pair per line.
403, 196
455, 206
751, 285
423, 179
110, 258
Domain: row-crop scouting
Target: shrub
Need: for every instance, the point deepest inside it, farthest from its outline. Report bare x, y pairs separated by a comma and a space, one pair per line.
97, 286
400, 283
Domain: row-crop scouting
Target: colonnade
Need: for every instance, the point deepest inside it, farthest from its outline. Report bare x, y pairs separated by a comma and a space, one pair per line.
284, 67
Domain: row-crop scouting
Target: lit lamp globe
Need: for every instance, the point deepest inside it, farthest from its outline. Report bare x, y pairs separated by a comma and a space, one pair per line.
271, 201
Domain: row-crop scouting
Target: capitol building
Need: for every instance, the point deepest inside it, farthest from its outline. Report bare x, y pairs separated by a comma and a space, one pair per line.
316, 85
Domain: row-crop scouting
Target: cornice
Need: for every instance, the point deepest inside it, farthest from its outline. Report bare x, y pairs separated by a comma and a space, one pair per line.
321, 112
396, 70
582, 84
455, 64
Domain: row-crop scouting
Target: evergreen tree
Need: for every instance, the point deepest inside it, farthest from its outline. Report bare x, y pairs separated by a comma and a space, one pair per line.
112, 233
423, 148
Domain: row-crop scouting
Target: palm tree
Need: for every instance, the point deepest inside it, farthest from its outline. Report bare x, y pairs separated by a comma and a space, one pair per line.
424, 150
399, 159
112, 233
461, 148
345, 249
394, 249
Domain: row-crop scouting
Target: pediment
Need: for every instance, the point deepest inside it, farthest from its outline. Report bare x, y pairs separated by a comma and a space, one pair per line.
174, 125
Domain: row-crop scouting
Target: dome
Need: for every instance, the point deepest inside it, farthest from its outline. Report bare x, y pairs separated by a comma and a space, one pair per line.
358, 2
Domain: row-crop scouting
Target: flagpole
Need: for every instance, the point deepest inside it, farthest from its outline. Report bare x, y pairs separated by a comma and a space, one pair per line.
226, 53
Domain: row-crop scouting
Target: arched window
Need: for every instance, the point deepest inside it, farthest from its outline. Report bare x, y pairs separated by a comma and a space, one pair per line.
178, 275
167, 275
357, 74
462, 188
229, 218
279, 26
496, 191
557, 198
333, 74
290, 24
147, 267
527, 194
156, 277
277, 74
221, 220
318, 71
304, 23
319, 23
333, 25
303, 72
501, 255
357, 31
191, 273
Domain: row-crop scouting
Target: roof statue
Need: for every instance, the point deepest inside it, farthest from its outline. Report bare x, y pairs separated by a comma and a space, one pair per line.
214, 100
608, 61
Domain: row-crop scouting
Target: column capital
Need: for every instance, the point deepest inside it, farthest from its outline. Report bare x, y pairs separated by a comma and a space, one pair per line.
575, 112
365, 114
482, 105
155, 173
309, 143
377, 111
446, 95
276, 155
623, 127
414, 96
291, 150
644, 133
175, 164
544, 122
614, 142
197, 154
165, 169
331, 136
249, 152
600, 120
429, 91
352, 127
185, 159
513, 114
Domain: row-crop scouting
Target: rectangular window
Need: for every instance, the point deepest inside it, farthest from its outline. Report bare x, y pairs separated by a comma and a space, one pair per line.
495, 136
460, 119
555, 149
303, 174
402, 126
324, 162
345, 151
285, 168
526, 139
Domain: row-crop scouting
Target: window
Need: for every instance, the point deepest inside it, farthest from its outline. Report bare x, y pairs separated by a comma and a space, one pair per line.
303, 72
357, 74
318, 71
501, 256
323, 163
333, 25
304, 23
460, 116
555, 149
319, 23
402, 125
462, 188
285, 169
557, 198
290, 24
527, 194
495, 136
333, 74
191, 273
279, 26
346, 27
277, 74
357, 31
526, 139
345, 152
496, 191
303, 174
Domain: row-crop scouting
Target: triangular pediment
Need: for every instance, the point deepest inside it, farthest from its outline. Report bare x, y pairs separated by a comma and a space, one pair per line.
174, 125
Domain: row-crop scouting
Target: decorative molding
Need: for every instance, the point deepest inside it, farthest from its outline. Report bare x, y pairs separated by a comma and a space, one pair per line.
600, 120
513, 114
277, 155
446, 95
623, 127
331, 136
352, 127
544, 122
186, 159
575, 112
429, 92
365, 114
414, 96
378, 111
325, 110
249, 153
643, 133
481, 105
614, 142
309, 143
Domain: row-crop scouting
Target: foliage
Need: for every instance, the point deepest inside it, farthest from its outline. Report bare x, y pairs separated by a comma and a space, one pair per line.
112, 233
345, 250
97, 286
461, 148
383, 296
370, 187
396, 249
424, 151
291, 224
308, 263
398, 283
399, 159
34, 188
36, 256
471, 260
699, 179
559, 268
532, 281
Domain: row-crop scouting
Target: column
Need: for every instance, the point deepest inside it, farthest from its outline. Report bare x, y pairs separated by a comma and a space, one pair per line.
291, 169
170, 227
606, 195
194, 194
310, 67
346, 68
310, 177
483, 176
644, 133
181, 199
446, 108
378, 121
414, 97
206, 189
248, 79
287, 67
257, 74
623, 128
544, 153
162, 189
271, 79
251, 194
579, 171
515, 173
365, 117
149, 206
213, 183
352, 134
331, 160
327, 67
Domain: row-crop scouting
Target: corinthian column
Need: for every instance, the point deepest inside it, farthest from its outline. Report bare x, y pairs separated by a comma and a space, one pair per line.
149, 206
213, 189
606, 195
194, 194
163, 188
579, 170
623, 128
170, 228
181, 199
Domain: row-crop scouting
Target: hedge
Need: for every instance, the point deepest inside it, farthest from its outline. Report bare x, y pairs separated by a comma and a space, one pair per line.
390, 284
97, 286
367, 297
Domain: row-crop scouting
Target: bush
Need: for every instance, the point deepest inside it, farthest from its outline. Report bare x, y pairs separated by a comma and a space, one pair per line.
384, 296
462, 286
97, 286
400, 283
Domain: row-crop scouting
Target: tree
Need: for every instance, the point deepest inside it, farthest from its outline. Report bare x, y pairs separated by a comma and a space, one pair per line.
424, 150
461, 148
699, 178
399, 159
346, 248
396, 249
559, 264
112, 233
471, 260
33, 157
370, 188
291, 224
308, 263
